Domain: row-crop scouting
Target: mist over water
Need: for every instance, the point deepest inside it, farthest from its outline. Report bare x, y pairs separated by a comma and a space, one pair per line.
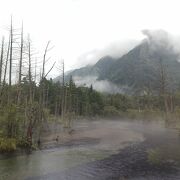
102, 149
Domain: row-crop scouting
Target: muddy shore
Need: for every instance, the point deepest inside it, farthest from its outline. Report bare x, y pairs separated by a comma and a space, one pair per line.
101, 132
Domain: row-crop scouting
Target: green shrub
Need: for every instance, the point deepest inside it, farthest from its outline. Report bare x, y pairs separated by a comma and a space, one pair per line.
23, 143
110, 111
7, 145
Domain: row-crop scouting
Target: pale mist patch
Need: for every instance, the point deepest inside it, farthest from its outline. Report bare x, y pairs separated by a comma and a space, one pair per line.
99, 85
162, 40
115, 49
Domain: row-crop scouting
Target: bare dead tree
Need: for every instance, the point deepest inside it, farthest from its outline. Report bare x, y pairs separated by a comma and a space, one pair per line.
63, 93
6, 64
44, 59
5, 72
35, 76
11, 53
44, 75
21, 56
20, 65
1, 60
164, 91
29, 74
42, 94
10, 62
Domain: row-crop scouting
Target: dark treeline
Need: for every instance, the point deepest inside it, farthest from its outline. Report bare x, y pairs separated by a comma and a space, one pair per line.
26, 114
24, 117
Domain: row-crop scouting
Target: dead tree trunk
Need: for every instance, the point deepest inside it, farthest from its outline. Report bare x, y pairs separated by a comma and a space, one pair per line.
63, 94
5, 72
163, 87
20, 67
10, 62
30, 75
1, 60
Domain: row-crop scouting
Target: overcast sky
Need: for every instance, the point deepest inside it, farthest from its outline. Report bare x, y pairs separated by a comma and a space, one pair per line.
80, 27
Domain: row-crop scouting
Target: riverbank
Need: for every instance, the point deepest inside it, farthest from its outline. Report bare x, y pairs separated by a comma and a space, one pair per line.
53, 133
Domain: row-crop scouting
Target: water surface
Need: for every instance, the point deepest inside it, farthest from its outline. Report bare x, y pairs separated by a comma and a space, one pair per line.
95, 151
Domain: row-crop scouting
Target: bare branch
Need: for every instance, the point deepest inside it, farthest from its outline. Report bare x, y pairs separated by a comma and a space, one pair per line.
50, 70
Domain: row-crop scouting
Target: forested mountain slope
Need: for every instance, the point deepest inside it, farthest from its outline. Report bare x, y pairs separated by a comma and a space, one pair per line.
138, 71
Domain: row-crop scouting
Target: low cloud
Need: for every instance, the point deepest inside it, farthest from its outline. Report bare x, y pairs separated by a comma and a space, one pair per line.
99, 85
156, 38
115, 49
160, 39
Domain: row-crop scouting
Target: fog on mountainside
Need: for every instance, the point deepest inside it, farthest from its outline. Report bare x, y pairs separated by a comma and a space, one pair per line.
114, 49
137, 70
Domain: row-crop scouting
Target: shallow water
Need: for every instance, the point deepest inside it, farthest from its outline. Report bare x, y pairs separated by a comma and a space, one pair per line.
94, 152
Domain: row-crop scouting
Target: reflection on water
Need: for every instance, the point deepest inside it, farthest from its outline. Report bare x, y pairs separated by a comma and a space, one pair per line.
44, 162
112, 136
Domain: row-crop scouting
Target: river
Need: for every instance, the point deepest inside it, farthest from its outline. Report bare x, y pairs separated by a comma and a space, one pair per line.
102, 150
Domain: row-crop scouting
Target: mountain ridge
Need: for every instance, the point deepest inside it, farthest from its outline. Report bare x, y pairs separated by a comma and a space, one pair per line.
135, 71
